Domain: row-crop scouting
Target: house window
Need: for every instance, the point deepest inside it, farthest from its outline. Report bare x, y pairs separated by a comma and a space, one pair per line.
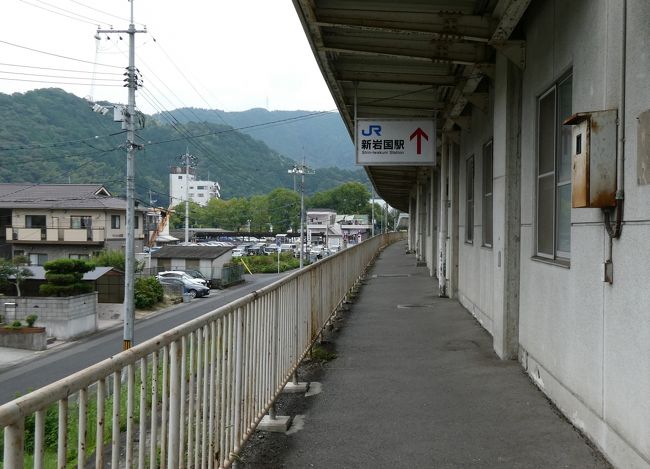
77, 222
180, 177
201, 188
84, 257
115, 222
136, 223
37, 259
553, 228
469, 199
34, 221
487, 193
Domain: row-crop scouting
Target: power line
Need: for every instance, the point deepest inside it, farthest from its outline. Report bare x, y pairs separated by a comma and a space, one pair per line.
246, 127
58, 144
59, 76
58, 55
76, 17
103, 12
56, 82
60, 69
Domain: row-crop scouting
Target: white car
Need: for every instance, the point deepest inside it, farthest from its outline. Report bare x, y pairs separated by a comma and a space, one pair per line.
181, 275
238, 252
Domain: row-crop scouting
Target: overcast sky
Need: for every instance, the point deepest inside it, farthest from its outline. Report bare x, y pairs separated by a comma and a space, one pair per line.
235, 54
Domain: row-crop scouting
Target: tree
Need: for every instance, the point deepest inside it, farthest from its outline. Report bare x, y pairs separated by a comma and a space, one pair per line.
350, 198
259, 213
177, 219
284, 210
115, 259
14, 272
64, 277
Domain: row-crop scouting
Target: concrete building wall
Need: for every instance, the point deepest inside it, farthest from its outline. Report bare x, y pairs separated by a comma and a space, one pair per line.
476, 261
583, 341
199, 192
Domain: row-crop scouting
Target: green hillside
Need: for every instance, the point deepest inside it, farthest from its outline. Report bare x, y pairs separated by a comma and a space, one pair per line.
50, 136
321, 138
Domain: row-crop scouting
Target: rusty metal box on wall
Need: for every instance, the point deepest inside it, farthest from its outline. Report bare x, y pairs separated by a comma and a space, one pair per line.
593, 159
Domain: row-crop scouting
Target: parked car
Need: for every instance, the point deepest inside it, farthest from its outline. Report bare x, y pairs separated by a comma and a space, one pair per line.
256, 249
238, 252
196, 274
271, 250
288, 247
195, 290
182, 275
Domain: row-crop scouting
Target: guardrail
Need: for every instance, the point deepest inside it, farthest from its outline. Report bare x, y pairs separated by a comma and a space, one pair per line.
192, 396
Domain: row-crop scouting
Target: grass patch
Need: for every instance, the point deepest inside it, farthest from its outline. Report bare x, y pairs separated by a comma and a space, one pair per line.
269, 264
319, 352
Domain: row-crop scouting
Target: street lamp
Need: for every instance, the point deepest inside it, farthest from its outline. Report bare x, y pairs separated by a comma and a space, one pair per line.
302, 170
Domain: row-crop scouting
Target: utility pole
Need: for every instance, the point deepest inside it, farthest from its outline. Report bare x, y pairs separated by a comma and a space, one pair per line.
302, 170
132, 82
188, 160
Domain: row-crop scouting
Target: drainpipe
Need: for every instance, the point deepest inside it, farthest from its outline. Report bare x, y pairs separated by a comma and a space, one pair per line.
442, 236
617, 229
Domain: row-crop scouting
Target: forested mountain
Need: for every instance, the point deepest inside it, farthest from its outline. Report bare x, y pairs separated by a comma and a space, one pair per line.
320, 137
50, 136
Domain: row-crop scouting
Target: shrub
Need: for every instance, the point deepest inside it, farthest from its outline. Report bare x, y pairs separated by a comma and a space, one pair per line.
148, 292
31, 319
269, 264
16, 325
115, 259
64, 277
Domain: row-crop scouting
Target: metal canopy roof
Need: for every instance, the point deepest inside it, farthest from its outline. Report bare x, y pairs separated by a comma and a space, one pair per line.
409, 59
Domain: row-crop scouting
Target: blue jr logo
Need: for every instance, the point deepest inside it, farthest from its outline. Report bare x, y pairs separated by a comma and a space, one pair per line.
372, 128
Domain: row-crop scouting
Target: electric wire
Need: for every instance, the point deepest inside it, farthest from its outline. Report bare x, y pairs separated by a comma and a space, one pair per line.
58, 13
58, 55
60, 69
67, 14
104, 12
58, 144
60, 76
58, 82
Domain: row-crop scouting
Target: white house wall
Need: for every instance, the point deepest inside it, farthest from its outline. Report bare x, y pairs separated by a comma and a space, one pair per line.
586, 343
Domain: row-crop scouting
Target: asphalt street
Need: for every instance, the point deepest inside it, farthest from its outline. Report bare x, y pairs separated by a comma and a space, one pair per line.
72, 357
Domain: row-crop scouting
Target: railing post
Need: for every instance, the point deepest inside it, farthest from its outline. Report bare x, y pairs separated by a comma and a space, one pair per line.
238, 377
13, 453
174, 405
274, 351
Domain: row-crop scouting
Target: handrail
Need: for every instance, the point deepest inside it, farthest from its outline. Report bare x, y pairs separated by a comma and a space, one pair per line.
196, 392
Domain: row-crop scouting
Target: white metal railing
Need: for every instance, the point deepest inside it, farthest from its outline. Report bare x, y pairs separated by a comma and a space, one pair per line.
192, 396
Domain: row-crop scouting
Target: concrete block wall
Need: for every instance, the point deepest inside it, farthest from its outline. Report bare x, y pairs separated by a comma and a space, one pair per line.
64, 317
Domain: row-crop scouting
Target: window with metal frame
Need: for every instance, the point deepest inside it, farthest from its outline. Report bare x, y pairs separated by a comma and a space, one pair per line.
469, 200
487, 193
80, 222
553, 211
35, 221
37, 259
115, 222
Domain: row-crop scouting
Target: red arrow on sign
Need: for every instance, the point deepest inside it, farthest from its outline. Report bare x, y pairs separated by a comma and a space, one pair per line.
419, 133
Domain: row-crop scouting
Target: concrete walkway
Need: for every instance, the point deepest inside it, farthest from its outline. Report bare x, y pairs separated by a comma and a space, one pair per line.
417, 385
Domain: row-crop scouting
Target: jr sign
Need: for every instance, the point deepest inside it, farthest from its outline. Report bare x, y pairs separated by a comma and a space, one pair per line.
392, 142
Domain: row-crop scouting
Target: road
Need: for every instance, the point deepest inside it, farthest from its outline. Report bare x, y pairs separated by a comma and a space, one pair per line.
72, 357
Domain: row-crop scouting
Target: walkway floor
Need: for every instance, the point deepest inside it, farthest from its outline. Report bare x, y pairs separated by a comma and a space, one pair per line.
416, 384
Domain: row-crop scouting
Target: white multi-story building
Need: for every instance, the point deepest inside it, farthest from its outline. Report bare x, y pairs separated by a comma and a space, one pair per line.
181, 184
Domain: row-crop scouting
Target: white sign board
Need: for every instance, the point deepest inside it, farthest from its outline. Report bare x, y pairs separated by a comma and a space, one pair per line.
394, 142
